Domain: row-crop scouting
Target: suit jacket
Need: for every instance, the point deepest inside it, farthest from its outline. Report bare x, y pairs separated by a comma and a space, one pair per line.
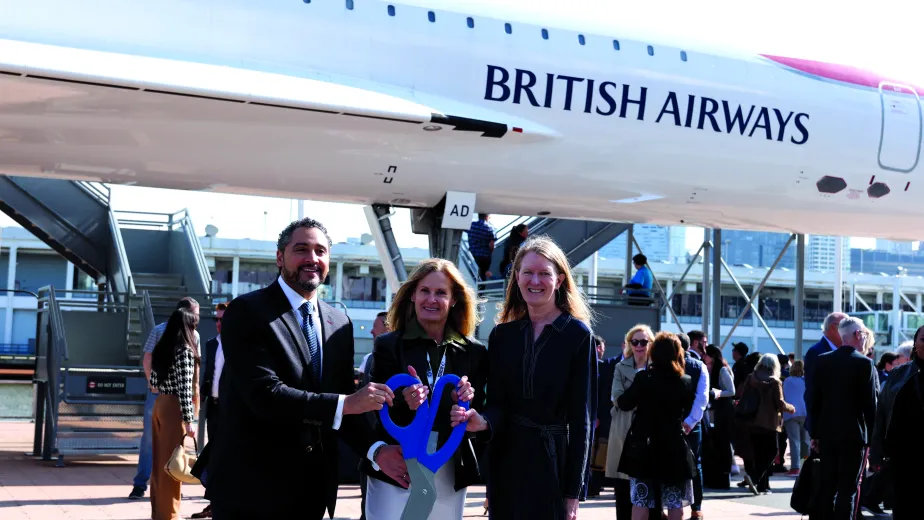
811, 358
283, 455
465, 356
845, 397
208, 375
606, 369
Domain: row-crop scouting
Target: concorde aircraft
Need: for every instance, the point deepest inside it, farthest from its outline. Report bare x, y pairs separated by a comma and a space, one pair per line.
558, 108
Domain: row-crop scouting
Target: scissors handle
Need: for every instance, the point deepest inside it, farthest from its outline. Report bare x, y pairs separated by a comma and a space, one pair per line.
408, 436
434, 461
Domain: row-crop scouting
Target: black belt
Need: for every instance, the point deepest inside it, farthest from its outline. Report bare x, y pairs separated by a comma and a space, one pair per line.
547, 431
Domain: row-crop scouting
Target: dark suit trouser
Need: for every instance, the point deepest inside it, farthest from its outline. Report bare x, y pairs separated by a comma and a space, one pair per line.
211, 424
695, 442
304, 513
842, 467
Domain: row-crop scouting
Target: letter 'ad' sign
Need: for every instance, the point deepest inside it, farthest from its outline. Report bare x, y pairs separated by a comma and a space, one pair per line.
460, 210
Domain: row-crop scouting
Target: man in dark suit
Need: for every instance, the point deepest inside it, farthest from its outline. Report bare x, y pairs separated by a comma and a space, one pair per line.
214, 363
287, 392
606, 369
843, 411
829, 342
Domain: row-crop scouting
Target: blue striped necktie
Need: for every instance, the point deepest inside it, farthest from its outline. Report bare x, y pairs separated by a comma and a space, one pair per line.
311, 335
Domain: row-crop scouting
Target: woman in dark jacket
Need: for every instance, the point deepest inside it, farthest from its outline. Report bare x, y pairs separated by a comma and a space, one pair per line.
432, 320
717, 450
517, 236
539, 416
656, 455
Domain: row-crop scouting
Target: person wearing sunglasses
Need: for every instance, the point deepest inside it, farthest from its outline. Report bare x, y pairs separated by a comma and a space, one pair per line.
635, 359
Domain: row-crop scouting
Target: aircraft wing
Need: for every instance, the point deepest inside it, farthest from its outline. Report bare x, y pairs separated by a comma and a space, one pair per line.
308, 92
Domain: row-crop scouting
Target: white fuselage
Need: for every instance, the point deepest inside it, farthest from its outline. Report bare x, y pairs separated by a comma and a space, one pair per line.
612, 128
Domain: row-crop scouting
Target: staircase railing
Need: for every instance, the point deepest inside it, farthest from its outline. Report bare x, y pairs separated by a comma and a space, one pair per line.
205, 277
147, 316
123, 280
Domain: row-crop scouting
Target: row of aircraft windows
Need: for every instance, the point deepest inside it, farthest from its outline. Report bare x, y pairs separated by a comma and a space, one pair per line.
508, 28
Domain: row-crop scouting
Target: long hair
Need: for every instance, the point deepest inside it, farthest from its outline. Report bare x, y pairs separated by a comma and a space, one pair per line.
178, 335
568, 298
641, 327
718, 361
666, 354
771, 364
463, 317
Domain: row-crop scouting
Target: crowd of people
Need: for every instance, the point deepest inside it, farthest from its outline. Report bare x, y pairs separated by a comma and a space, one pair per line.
549, 421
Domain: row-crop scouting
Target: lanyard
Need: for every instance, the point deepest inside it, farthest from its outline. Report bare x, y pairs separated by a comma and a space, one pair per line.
439, 373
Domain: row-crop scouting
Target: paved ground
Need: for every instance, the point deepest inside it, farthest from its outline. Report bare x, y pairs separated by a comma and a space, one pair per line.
32, 489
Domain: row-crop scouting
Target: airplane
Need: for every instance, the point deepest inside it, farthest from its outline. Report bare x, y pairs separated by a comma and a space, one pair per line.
554, 109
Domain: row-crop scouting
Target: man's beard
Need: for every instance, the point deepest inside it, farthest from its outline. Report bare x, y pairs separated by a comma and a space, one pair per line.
291, 277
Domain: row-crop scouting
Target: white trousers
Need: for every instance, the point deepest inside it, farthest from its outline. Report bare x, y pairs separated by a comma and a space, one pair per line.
386, 502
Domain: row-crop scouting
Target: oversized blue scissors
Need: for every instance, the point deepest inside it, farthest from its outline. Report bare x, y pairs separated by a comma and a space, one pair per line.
422, 466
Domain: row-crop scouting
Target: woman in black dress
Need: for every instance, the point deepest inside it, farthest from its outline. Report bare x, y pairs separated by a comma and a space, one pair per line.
656, 455
541, 383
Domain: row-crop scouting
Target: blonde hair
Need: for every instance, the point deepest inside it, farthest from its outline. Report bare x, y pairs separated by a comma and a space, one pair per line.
627, 352
797, 369
567, 297
463, 316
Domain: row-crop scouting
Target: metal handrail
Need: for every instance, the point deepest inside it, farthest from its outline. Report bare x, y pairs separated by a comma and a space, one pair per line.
205, 276
147, 316
124, 267
98, 190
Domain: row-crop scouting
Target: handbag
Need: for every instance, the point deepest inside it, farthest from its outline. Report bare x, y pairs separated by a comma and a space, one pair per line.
748, 405
807, 486
179, 465
598, 462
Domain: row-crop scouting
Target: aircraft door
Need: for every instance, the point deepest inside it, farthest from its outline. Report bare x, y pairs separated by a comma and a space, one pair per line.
902, 121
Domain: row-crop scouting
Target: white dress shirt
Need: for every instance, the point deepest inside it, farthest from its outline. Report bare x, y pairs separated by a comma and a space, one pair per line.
702, 396
219, 365
296, 300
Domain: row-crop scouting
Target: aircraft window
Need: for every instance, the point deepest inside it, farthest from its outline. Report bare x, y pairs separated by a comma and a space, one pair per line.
508, 28
545, 34
307, 1
349, 4
683, 55
581, 39
431, 16
616, 44
650, 50
471, 22
391, 10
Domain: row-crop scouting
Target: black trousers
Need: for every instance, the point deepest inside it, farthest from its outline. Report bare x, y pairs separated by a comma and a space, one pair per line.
308, 512
484, 264
765, 448
842, 467
623, 500
211, 425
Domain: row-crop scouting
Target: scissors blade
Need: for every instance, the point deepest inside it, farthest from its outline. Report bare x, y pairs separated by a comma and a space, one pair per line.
423, 492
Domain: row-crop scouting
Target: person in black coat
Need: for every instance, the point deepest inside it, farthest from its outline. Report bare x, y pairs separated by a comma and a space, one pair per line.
656, 455
541, 391
606, 370
843, 413
287, 392
431, 321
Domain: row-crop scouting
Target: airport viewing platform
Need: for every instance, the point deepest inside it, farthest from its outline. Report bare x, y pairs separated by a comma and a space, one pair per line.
97, 488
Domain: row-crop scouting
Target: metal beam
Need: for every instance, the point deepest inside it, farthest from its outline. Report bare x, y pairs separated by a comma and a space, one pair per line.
800, 295
657, 284
630, 240
754, 306
838, 274
716, 285
861, 300
707, 255
690, 265
378, 216
759, 288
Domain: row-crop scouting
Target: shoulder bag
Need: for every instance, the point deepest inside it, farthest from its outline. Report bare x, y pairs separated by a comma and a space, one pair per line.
179, 465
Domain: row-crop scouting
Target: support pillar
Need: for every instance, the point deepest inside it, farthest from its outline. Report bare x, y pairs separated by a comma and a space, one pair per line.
630, 242
754, 320
716, 286
707, 288
11, 285
69, 280
838, 274
338, 281
594, 263
800, 295
896, 314
235, 276
379, 218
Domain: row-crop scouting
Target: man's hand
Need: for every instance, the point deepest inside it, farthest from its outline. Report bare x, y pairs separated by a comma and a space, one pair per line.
464, 389
816, 446
596, 423
571, 508
687, 429
415, 395
191, 430
390, 460
368, 398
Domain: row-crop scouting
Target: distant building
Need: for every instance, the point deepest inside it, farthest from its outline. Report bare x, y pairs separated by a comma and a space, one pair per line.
871, 261
819, 254
654, 241
756, 249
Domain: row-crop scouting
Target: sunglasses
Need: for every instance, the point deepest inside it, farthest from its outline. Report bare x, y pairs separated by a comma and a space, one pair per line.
639, 342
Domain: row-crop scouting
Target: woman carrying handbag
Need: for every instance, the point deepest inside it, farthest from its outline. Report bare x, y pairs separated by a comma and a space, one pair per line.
175, 374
